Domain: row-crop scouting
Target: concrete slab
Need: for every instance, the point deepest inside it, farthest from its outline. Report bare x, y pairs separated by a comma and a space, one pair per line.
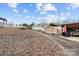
71, 38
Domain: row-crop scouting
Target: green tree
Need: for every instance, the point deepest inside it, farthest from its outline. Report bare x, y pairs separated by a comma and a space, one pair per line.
32, 23
51, 24
24, 24
19, 24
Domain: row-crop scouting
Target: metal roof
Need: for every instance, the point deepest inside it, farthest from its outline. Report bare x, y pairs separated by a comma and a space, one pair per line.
3, 19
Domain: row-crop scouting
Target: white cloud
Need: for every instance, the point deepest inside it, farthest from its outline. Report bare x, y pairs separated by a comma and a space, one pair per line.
25, 11
49, 18
44, 8
74, 5
15, 10
27, 17
38, 6
62, 18
68, 8
68, 14
62, 14
13, 5
42, 12
55, 18
33, 17
49, 7
52, 18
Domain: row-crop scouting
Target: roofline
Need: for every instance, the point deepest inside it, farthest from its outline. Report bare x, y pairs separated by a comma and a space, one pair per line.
70, 23
3, 19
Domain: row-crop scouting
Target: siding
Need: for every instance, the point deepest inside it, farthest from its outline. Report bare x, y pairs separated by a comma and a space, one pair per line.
53, 30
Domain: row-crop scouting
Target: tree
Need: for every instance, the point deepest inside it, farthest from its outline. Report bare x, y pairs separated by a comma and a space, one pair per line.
19, 24
51, 24
24, 24
32, 24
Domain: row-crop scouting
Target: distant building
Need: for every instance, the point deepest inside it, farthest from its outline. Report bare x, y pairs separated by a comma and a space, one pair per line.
47, 28
37, 27
53, 30
4, 23
72, 28
40, 26
3, 19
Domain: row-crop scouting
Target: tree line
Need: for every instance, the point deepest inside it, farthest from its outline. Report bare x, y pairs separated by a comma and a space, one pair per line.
26, 26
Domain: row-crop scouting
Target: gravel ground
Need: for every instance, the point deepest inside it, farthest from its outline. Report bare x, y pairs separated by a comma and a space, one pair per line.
71, 46
16, 42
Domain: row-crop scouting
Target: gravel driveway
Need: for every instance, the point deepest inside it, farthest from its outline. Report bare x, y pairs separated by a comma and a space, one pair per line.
71, 46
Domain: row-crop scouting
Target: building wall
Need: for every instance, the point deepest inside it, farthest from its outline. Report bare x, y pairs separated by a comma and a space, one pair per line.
53, 30
73, 25
36, 28
2, 24
6, 25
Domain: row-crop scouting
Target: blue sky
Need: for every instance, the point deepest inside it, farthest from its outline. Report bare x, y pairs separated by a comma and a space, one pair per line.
38, 12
